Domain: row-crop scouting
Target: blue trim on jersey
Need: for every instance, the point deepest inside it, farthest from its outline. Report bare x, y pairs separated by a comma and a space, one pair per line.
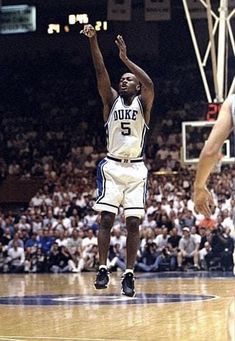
142, 111
143, 141
100, 179
107, 135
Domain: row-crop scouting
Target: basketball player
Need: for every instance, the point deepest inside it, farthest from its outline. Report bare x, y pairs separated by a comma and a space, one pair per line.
122, 175
210, 155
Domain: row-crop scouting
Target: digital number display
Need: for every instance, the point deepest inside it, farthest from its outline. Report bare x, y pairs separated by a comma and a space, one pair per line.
213, 111
74, 22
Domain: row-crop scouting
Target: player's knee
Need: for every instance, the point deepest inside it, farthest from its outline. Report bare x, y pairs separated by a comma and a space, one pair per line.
107, 220
132, 224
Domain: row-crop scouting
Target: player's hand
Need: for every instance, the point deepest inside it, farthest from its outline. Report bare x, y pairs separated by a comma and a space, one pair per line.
88, 31
122, 47
203, 201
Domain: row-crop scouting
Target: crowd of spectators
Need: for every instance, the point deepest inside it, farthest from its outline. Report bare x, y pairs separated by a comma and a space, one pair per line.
58, 231
54, 130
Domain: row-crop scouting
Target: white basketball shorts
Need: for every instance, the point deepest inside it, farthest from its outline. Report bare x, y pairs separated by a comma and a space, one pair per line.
121, 184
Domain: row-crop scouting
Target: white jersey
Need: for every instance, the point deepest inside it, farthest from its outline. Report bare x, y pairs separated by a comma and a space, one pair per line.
126, 129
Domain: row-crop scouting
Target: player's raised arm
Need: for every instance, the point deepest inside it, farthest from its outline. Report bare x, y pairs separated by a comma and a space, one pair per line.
209, 157
147, 87
107, 93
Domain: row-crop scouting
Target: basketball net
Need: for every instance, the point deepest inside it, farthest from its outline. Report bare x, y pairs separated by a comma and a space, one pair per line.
217, 167
219, 26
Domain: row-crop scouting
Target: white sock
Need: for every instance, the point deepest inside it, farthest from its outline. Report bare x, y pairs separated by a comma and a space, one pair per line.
103, 267
129, 270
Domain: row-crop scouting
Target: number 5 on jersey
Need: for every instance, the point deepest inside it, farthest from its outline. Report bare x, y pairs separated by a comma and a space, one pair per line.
126, 130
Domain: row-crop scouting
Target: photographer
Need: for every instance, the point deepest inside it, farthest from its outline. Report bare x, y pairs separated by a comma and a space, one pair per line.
147, 258
221, 255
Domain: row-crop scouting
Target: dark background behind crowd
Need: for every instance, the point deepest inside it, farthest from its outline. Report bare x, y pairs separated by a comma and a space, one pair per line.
52, 131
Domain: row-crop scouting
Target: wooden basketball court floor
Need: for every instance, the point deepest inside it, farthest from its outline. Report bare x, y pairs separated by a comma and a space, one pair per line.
66, 307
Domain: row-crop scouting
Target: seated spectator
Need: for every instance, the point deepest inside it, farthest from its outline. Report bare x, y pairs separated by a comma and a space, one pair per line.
188, 250
196, 236
147, 236
76, 263
117, 256
63, 239
16, 238
2, 259
63, 262
118, 238
150, 221
202, 255
74, 242
34, 260
90, 219
161, 240
16, 257
174, 239
205, 235
92, 258
89, 163
32, 243
187, 218
88, 242
6, 238
146, 258
23, 224
53, 258
58, 224
46, 241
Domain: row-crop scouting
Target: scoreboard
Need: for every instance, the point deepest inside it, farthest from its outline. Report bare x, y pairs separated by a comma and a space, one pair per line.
51, 20
18, 19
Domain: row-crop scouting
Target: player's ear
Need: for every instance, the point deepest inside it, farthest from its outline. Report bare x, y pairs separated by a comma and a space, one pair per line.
138, 87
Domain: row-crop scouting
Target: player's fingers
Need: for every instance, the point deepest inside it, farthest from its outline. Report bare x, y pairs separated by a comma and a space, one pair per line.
203, 209
198, 208
117, 43
211, 200
206, 211
89, 26
85, 28
120, 39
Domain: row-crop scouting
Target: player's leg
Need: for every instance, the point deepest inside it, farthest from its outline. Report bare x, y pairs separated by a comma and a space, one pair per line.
134, 201
133, 240
108, 201
106, 223
107, 220
132, 246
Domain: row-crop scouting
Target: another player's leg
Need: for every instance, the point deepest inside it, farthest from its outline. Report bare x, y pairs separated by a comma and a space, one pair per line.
133, 240
107, 220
